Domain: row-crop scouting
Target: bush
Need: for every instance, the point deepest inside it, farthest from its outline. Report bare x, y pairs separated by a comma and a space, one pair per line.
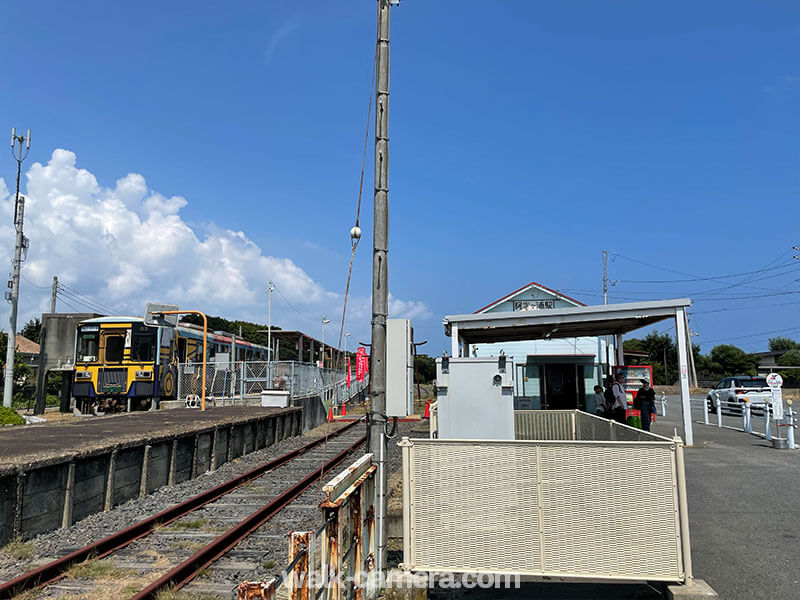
9, 416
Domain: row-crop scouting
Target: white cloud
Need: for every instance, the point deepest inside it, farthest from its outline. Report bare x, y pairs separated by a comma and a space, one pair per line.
125, 245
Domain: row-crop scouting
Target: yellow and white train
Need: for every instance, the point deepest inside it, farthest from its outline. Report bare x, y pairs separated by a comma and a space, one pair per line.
123, 364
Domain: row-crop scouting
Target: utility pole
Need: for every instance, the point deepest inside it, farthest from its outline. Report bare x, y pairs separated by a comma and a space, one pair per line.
270, 287
605, 277
53, 295
13, 296
380, 281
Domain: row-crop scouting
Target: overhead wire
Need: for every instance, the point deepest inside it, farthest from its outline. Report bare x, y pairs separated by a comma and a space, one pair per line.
75, 292
354, 240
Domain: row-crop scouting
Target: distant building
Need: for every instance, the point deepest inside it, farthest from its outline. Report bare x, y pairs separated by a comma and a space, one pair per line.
550, 374
28, 350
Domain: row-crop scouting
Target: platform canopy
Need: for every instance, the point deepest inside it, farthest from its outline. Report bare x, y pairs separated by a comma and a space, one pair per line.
577, 321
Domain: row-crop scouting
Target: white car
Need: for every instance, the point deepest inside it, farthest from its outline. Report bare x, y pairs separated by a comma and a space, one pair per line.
735, 391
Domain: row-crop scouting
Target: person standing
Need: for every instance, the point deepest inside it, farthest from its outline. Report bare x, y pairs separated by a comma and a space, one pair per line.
597, 403
620, 399
646, 399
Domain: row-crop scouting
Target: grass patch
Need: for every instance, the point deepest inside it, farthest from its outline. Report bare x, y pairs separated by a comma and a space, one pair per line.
8, 416
186, 545
179, 595
129, 590
268, 564
95, 569
193, 524
19, 549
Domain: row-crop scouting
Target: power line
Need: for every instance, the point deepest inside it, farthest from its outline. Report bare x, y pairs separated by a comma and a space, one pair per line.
759, 307
712, 278
63, 294
741, 337
38, 287
75, 292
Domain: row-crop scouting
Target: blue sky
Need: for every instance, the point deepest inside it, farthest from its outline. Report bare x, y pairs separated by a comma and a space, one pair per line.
526, 137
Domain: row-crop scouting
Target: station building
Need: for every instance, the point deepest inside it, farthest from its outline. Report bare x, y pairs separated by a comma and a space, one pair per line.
550, 373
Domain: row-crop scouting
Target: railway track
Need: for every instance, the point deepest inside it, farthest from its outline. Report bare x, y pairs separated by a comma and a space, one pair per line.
223, 534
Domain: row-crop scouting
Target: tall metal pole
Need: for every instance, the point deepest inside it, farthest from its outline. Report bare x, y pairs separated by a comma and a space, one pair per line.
605, 301
322, 353
270, 287
19, 213
380, 281
53, 295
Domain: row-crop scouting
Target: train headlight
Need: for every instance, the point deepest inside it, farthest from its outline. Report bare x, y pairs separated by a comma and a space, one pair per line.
144, 374
83, 374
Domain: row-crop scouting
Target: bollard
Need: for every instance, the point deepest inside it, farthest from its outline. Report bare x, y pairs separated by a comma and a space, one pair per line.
705, 412
663, 404
767, 424
790, 426
719, 410
746, 417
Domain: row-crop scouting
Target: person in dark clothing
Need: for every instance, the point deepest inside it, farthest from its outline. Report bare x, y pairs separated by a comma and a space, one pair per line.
646, 399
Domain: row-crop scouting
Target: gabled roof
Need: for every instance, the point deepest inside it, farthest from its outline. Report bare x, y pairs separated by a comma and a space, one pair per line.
26, 346
525, 288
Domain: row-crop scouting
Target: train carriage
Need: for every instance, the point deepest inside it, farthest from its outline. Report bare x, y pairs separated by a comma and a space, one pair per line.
123, 364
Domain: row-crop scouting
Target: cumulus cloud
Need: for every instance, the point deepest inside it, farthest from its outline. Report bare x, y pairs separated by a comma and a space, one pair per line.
122, 246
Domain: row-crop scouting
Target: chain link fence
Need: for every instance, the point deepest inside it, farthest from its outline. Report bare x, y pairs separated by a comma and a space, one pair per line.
241, 379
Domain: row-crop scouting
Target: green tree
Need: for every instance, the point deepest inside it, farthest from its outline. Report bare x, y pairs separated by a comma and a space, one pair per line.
790, 358
783, 344
732, 360
32, 330
24, 385
425, 367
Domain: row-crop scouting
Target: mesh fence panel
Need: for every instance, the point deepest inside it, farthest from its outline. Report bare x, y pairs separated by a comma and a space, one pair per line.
548, 514
239, 379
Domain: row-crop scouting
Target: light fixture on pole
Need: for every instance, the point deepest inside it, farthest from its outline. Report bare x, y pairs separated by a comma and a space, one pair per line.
270, 287
346, 335
22, 145
324, 322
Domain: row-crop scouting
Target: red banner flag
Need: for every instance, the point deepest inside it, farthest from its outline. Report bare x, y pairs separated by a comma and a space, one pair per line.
348, 372
362, 364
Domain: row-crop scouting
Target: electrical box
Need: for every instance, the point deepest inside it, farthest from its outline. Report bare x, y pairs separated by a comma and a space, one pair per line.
475, 398
399, 368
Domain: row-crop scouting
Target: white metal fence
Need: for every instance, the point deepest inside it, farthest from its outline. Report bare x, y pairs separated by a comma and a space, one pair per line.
588, 499
249, 378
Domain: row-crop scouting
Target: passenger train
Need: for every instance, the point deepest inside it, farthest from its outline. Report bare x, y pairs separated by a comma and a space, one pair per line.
123, 364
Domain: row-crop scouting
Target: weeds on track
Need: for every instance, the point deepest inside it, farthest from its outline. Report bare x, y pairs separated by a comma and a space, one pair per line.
19, 549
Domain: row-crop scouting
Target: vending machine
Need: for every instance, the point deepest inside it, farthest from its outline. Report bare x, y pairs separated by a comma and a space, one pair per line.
634, 374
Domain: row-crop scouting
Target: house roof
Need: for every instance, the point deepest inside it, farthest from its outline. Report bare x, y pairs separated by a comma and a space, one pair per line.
526, 287
26, 346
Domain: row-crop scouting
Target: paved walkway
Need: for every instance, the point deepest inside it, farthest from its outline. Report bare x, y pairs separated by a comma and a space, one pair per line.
744, 508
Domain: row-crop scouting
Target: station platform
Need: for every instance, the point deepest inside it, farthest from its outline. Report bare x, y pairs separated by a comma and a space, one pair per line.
53, 474
86, 435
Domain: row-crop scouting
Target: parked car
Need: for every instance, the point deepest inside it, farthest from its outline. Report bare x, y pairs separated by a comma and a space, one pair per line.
736, 390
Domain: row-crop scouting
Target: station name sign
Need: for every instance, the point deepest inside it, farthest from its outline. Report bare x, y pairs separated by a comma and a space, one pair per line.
534, 304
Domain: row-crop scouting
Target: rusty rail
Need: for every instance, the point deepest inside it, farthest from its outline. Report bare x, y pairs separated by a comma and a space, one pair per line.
192, 566
56, 569
319, 563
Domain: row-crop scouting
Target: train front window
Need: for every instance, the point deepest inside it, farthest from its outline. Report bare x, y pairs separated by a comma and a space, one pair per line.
115, 346
88, 342
144, 347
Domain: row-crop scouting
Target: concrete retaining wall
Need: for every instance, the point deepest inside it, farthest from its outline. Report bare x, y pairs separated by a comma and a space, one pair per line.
39, 497
313, 411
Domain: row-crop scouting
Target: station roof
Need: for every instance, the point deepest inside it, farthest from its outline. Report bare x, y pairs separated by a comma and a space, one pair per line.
577, 321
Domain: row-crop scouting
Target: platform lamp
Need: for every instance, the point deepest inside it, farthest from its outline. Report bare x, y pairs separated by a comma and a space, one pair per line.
324, 322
